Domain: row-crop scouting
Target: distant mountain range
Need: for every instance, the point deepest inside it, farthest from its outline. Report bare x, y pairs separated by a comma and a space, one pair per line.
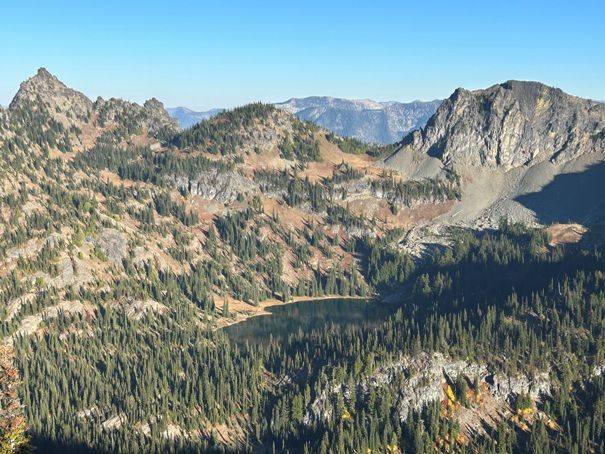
366, 120
188, 117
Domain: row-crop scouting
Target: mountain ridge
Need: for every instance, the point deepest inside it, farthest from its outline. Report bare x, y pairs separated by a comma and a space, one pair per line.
365, 120
509, 125
54, 103
369, 121
128, 243
507, 141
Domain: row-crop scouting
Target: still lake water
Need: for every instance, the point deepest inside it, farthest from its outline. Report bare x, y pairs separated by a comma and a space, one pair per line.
307, 316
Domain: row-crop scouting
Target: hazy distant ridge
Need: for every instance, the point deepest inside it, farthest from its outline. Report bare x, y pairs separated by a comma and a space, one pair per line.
188, 117
366, 120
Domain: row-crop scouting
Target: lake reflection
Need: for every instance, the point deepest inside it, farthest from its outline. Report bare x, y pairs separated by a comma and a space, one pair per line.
307, 316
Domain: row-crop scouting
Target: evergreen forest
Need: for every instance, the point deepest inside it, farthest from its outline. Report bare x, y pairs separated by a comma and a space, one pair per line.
128, 246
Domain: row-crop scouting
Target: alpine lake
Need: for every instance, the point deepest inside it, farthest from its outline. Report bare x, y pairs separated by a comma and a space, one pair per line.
333, 313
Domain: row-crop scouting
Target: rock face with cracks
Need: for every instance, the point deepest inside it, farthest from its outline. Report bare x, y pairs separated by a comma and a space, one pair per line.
507, 126
53, 94
426, 377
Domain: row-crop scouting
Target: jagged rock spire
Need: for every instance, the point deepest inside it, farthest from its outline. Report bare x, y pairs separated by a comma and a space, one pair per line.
54, 95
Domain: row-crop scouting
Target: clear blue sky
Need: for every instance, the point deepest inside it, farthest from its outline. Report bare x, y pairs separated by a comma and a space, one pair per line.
204, 54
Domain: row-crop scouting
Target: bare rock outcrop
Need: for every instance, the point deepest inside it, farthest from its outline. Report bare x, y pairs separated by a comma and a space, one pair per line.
503, 386
112, 243
133, 117
158, 117
44, 90
72, 272
507, 126
224, 187
422, 379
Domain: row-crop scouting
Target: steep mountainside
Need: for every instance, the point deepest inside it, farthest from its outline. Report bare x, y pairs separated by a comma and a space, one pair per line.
3, 121
366, 120
508, 142
108, 210
510, 125
128, 243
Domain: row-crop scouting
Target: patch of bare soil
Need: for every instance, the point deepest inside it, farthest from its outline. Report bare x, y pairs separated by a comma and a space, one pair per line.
231, 434
288, 216
90, 133
266, 160
483, 411
332, 156
142, 140
115, 179
206, 209
566, 233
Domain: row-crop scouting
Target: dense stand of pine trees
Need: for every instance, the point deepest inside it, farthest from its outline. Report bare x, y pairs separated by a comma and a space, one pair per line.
222, 134
463, 305
103, 381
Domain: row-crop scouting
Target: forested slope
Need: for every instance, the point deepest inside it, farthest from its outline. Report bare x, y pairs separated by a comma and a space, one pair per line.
128, 244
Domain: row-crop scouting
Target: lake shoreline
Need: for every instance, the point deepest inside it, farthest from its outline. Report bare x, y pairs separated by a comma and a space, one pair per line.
341, 313
244, 311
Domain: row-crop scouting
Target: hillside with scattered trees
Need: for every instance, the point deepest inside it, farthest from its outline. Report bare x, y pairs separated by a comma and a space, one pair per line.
129, 245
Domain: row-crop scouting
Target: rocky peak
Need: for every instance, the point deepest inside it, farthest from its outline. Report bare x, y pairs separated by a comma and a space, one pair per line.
151, 116
159, 115
509, 125
44, 74
153, 105
46, 91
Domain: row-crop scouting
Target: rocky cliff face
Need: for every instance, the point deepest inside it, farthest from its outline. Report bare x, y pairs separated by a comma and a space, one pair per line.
223, 187
510, 125
63, 103
151, 116
423, 379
